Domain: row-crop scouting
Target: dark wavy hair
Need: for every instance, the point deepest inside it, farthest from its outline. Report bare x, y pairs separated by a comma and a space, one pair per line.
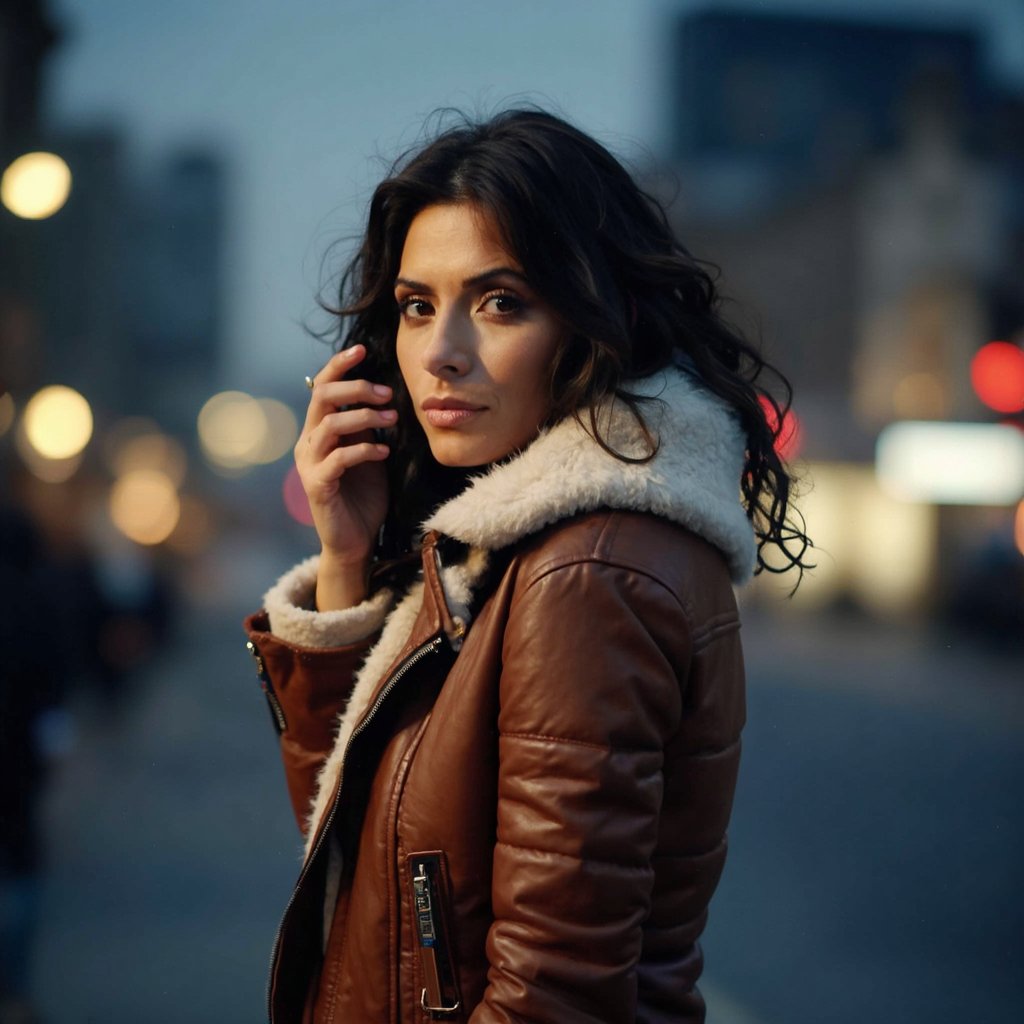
601, 253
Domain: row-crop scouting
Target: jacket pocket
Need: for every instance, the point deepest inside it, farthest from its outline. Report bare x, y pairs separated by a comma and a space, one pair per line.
432, 924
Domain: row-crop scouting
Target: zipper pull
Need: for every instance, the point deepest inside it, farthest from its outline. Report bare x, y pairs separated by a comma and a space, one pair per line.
276, 712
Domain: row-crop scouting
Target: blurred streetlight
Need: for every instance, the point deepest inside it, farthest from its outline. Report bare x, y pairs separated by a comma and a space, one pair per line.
237, 431
282, 430
997, 373
36, 185
232, 427
138, 443
144, 506
790, 438
58, 422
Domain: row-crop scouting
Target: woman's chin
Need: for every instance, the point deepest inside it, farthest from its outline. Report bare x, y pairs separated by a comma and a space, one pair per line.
464, 453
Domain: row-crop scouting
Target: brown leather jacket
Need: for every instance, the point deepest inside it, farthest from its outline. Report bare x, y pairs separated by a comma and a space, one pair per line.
521, 815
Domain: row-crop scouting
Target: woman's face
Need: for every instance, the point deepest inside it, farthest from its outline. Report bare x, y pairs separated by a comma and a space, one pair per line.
475, 342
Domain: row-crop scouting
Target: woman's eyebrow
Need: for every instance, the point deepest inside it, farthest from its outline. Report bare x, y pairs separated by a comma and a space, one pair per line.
487, 275
469, 282
416, 286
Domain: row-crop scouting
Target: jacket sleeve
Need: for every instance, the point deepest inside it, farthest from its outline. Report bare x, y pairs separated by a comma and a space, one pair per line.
588, 703
306, 662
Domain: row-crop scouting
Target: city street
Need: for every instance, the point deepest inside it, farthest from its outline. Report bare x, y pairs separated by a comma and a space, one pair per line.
876, 845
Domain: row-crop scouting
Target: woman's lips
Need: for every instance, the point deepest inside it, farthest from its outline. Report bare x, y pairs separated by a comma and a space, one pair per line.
449, 417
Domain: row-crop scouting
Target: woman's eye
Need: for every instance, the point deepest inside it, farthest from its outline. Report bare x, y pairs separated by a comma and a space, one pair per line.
414, 309
503, 304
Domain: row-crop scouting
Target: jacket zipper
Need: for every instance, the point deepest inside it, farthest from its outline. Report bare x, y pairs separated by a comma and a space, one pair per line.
276, 712
439, 996
430, 647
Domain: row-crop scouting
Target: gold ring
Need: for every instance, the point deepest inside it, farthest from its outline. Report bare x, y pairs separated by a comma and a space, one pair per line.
309, 382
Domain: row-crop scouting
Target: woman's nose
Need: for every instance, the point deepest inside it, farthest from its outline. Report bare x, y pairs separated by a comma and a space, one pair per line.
449, 352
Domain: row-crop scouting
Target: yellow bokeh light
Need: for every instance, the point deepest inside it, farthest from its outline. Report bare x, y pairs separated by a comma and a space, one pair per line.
281, 431
50, 471
6, 412
150, 450
58, 422
232, 429
1018, 528
36, 185
144, 506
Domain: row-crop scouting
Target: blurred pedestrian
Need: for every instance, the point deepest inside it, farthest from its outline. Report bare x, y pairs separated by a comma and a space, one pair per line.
510, 688
31, 690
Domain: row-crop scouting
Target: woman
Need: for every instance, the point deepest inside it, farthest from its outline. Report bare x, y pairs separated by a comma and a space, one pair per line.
510, 687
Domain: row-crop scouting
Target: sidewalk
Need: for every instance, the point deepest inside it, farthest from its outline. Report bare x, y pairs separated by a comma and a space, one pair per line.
171, 848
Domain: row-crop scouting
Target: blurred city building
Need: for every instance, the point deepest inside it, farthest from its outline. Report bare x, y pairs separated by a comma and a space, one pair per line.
110, 341
861, 187
176, 288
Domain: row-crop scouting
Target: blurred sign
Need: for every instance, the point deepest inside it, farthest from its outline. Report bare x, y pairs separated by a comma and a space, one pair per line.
951, 463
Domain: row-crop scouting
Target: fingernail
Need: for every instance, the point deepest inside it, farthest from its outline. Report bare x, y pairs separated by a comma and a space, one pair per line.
388, 414
381, 389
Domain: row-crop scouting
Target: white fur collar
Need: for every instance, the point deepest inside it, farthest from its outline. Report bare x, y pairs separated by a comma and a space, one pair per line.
693, 480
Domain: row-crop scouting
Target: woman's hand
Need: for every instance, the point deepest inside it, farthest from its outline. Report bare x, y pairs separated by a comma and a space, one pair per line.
342, 472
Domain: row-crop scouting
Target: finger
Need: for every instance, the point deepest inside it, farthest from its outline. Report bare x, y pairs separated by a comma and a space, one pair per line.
351, 392
339, 364
330, 396
337, 429
334, 369
324, 478
341, 460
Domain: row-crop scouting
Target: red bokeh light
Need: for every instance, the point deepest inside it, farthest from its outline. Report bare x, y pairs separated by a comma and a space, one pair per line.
997, 373
295, 500
790, 439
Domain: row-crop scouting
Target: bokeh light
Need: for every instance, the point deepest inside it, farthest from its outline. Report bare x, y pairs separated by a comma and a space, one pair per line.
7, 410
232, 429
50, 471
36, 185
997, 374
237, 431
144, 506
295, 500
58, 422
951, 463
790, 440
1018, 528
138, 443
281, 431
